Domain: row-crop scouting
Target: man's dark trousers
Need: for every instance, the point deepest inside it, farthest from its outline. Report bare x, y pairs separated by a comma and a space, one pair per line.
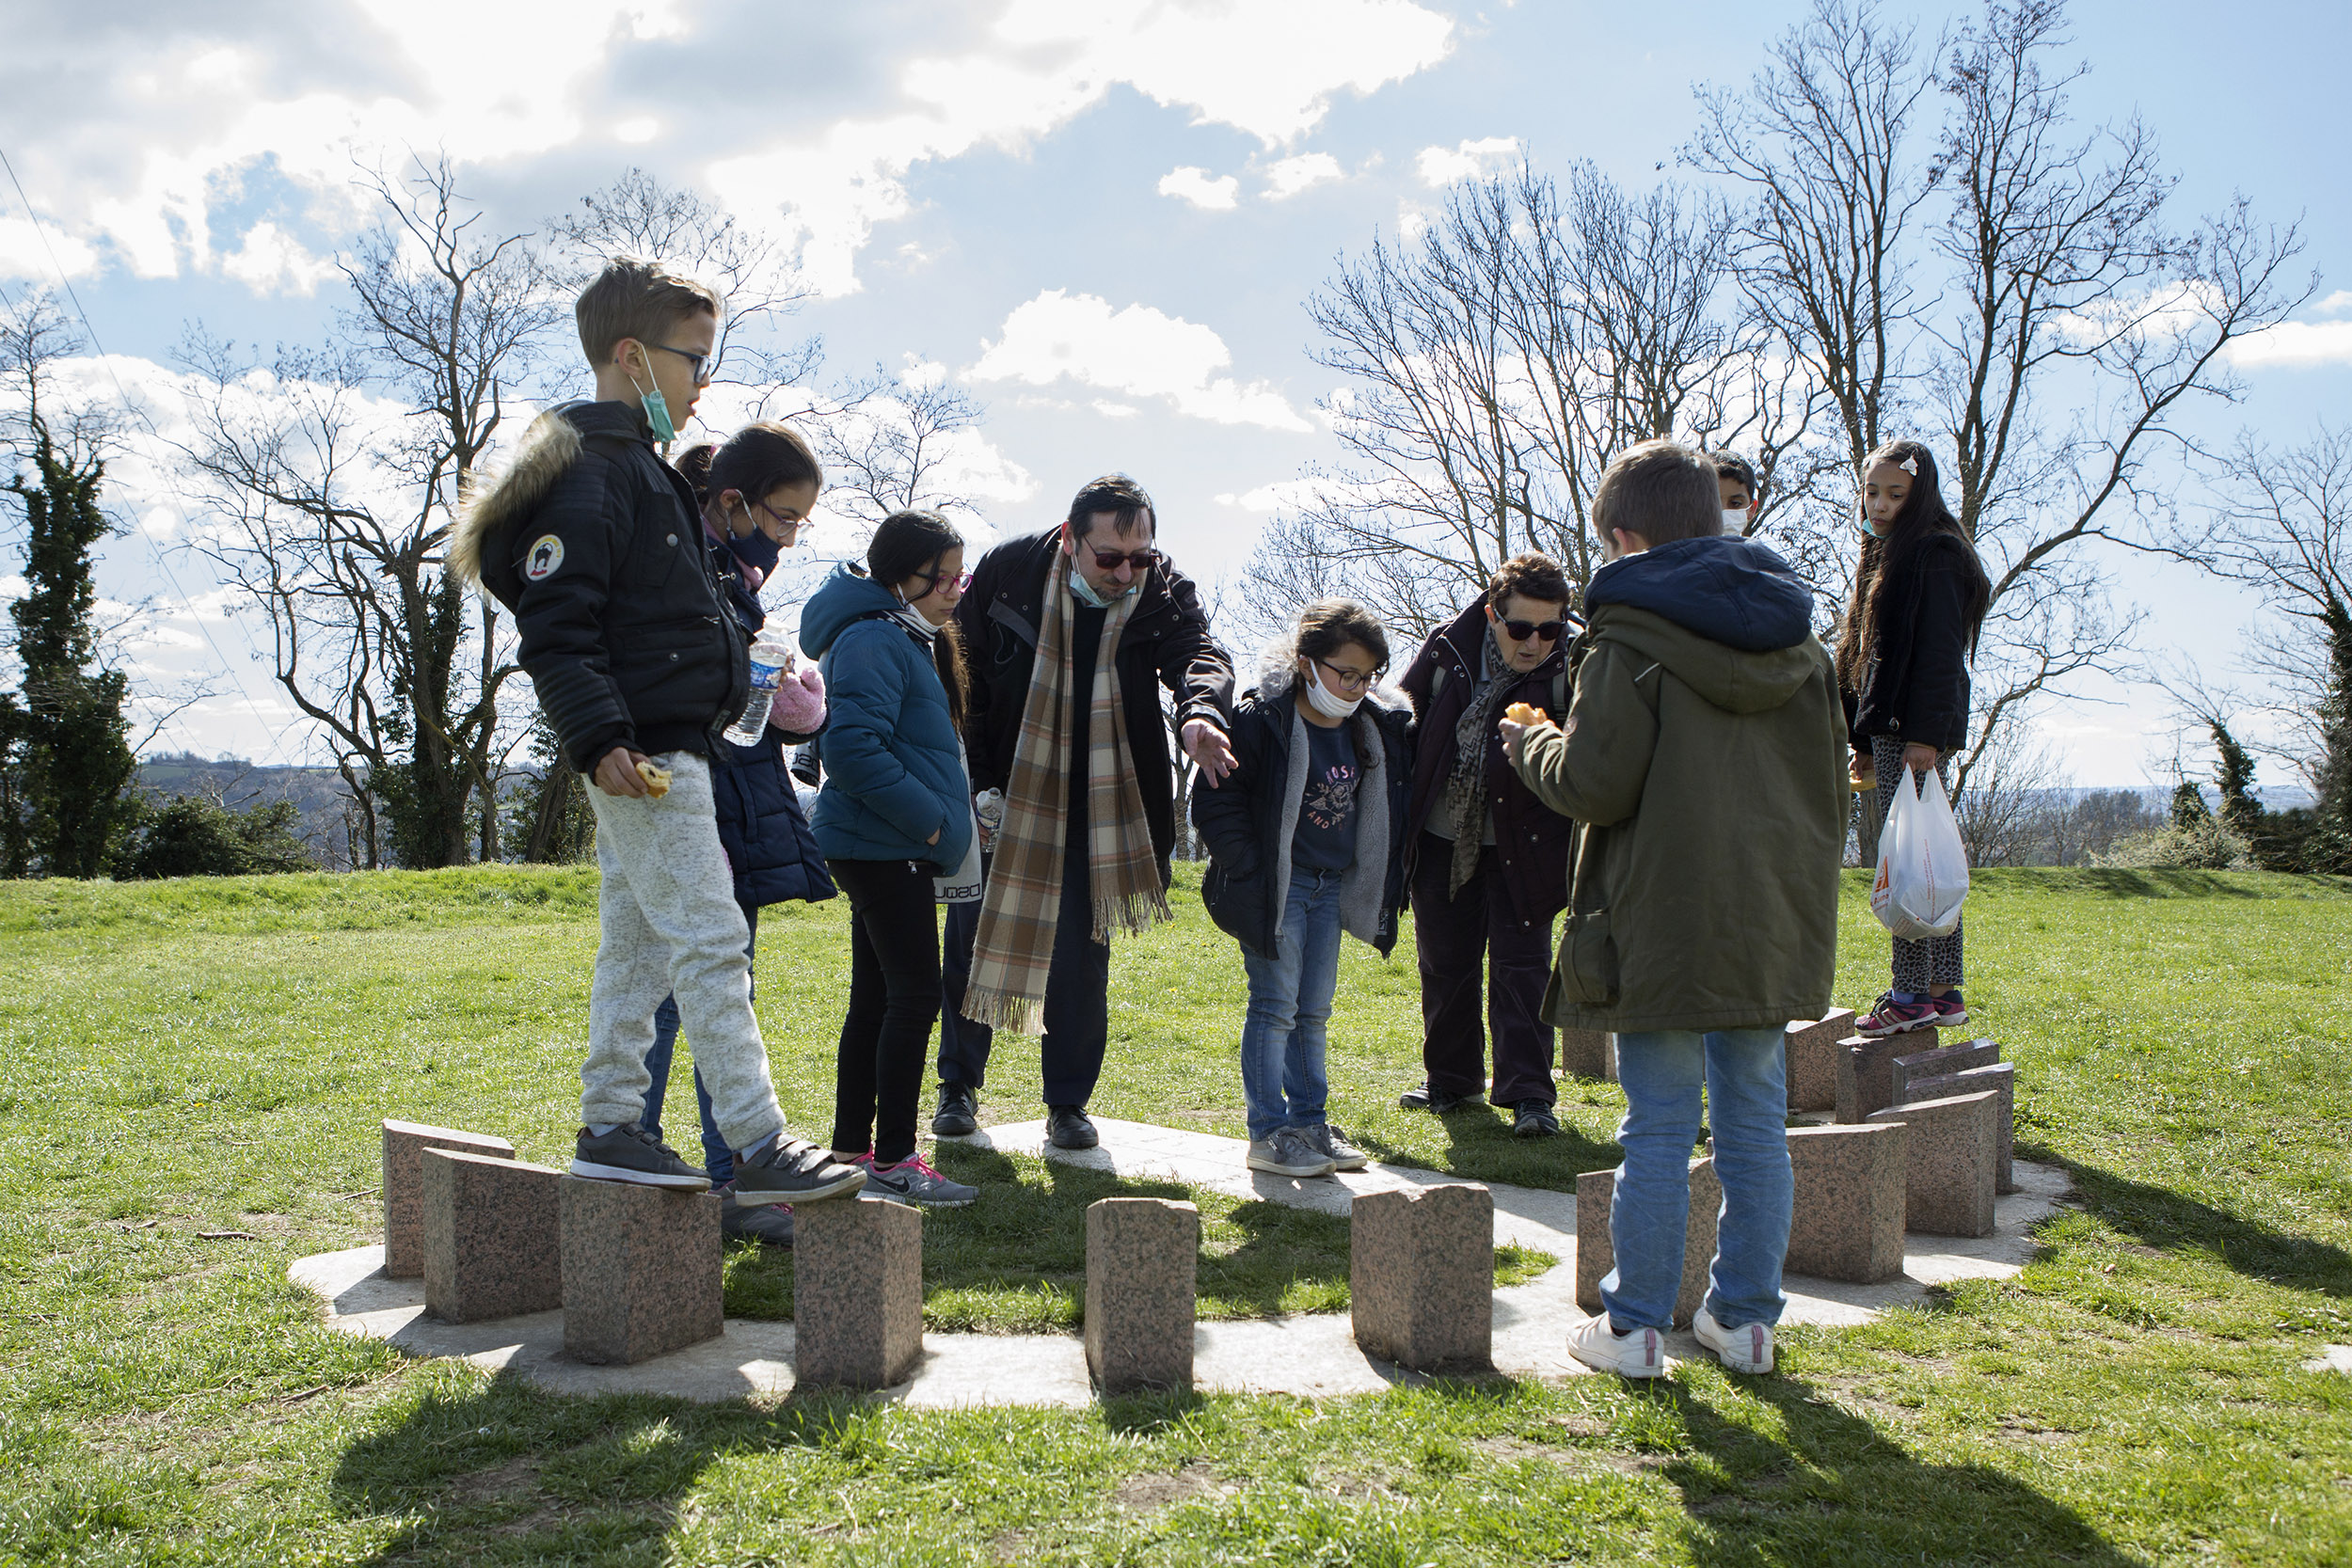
1451, 935
1077, 993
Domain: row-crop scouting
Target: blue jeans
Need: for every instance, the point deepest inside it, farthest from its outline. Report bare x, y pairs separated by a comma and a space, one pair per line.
1744, 1073
1290, 1005
717, 1157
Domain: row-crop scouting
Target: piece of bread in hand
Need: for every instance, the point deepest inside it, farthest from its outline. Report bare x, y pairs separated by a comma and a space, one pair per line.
656, 778
1523, 713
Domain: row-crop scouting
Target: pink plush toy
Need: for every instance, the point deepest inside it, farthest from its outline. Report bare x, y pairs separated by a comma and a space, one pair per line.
800, 705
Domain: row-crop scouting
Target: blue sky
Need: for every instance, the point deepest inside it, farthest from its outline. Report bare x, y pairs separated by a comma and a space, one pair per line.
1100, 219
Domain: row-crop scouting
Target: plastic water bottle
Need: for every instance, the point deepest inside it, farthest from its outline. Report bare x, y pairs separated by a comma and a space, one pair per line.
769, 662
988, 814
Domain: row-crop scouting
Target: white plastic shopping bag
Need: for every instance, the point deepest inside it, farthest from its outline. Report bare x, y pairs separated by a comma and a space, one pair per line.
1923, 866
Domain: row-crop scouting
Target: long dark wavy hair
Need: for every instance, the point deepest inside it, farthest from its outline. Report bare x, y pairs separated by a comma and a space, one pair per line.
911, 544
1889, 559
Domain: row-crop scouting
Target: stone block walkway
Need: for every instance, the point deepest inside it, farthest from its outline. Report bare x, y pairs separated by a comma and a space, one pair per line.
1310, 1355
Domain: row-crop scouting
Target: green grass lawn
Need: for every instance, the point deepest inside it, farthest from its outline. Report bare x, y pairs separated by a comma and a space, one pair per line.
194, 1071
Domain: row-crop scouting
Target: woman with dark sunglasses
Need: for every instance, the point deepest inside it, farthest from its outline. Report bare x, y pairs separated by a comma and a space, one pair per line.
1488, 861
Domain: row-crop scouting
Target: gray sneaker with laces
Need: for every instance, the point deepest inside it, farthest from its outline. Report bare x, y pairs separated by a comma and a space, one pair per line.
1335, 1146
1287, 1151
912, 1180
633, 1154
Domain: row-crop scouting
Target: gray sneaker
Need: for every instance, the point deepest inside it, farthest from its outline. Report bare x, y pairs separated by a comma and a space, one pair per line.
791, 1170
633, 1154
912, 1180
1289, 1151
1334, 1145
769, 1224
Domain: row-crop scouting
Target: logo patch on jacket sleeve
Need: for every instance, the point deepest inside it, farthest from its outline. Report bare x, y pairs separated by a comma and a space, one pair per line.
547, 554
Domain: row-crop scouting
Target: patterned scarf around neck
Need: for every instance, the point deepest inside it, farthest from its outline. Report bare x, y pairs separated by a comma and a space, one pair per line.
1014, 949
1466, 787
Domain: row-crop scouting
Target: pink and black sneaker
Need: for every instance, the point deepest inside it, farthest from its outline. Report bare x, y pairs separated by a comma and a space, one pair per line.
1950, 1011
1899, 1012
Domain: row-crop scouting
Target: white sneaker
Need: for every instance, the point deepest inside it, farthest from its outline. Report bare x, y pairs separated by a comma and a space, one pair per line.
1640, 1354
1745, 1349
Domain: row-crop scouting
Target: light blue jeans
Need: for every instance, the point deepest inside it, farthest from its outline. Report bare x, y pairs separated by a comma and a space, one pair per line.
1290, 1006
1744, 1073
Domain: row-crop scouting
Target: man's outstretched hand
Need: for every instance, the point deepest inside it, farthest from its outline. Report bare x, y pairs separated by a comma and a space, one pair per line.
1208, 748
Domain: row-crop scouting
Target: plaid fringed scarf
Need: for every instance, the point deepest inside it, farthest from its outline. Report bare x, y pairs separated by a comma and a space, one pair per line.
1014, 949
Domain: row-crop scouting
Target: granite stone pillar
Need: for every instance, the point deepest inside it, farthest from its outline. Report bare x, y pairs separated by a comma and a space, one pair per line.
641, 1270
1851, 1196
1143, 1256
493, 1237
1950, 1160
1813, 1060
1421, 1275
857, 1293
405, 1142
1866, 1079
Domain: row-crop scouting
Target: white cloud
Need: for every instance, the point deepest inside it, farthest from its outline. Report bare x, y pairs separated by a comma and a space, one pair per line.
1289, 177
1111, 410
2337, 304
1268, 70
2296, 345
1442, 165
272, 261
23, 254
1196, 186
1282, 494
1138, 351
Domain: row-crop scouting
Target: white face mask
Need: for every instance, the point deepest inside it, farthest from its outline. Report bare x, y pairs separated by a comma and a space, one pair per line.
1735, 521
1323, 699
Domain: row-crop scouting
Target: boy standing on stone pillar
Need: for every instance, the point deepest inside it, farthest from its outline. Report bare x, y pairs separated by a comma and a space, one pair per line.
1702, 753
596, 546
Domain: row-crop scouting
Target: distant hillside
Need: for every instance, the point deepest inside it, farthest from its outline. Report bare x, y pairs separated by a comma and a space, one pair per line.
318, 794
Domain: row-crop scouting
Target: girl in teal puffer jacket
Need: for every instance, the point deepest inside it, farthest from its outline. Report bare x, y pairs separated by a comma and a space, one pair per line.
895, 821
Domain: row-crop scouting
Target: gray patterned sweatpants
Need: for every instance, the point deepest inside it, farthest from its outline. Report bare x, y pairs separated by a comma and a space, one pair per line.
1937, 960
670, 926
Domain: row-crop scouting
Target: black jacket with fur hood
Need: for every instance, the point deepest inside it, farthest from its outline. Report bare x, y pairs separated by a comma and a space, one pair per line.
594, 544
1250, 820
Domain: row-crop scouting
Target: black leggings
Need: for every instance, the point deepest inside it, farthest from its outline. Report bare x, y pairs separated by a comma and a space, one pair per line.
894, 999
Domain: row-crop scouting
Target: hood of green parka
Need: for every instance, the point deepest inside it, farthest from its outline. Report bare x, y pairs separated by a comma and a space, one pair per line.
1734, 681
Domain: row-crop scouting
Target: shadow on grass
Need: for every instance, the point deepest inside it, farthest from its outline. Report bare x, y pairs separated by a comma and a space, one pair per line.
1833, 1488
508, 1475
1479, 1147
2169, 1221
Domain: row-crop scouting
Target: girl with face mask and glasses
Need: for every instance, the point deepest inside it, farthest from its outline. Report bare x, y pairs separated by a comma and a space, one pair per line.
1305, 840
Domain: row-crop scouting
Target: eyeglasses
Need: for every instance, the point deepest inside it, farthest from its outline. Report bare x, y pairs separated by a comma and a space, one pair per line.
1108, 561
961, 580
701, 367
1546, 632
1350, 680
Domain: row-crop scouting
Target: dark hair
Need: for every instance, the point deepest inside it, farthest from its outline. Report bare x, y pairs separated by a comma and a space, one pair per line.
1662, 491
1328, 626
1113, 492
633, 297
1535, 575
756, 460
1923, 519
1731, 466
910, 543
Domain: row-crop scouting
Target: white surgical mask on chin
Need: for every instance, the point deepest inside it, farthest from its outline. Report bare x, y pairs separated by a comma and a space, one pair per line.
1325, 700
1087, 593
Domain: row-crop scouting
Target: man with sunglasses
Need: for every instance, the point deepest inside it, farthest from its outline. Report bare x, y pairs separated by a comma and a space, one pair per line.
1088, 783
1488, 861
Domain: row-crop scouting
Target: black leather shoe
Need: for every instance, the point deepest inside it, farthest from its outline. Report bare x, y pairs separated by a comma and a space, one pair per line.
959, 1112
1533, 1119
1066, 1127
1421, 1096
